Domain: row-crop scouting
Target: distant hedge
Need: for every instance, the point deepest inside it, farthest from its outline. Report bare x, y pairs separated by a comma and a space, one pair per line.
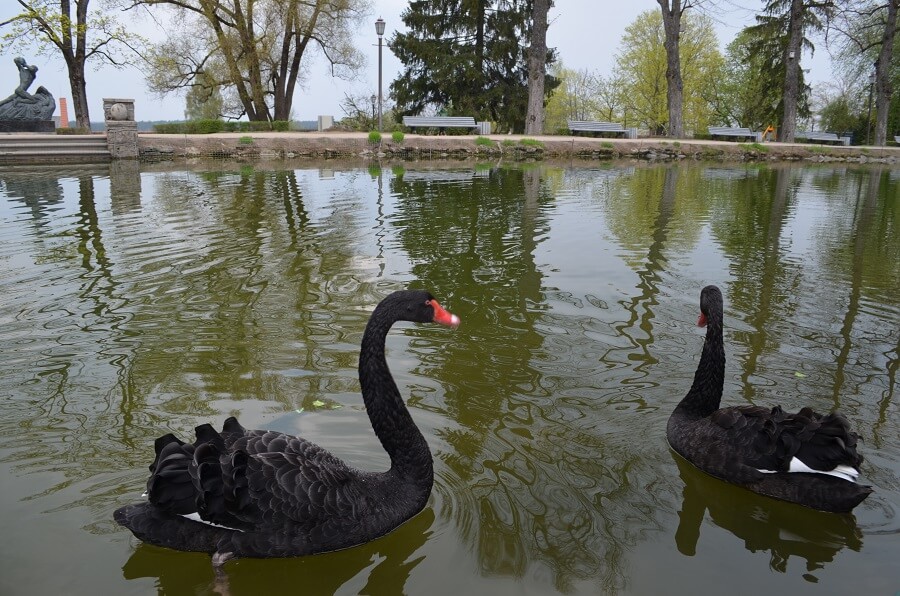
202, 127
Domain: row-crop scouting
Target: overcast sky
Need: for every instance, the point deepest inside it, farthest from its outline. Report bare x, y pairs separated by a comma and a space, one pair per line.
586, 34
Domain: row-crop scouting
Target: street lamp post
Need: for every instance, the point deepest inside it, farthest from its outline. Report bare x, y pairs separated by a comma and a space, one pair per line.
374, 100
379, 29
869, 116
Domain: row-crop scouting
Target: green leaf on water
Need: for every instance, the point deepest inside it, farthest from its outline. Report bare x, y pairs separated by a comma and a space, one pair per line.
318, 403
799, 375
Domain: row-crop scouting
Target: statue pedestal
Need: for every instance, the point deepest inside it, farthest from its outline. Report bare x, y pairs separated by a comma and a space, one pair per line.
122, 139
27, 126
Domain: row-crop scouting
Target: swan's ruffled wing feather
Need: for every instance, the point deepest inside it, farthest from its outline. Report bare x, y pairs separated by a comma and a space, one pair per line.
767, 439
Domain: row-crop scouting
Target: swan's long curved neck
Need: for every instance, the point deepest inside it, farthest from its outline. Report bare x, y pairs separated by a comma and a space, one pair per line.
705, 394
391, 421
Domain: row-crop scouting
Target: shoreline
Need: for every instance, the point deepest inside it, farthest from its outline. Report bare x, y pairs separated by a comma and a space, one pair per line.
336, 145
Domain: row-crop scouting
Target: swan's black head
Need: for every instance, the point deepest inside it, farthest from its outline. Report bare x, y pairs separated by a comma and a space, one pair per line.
710, 305
418, 306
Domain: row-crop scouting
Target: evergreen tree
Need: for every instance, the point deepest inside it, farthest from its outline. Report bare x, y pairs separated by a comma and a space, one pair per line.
466, 57
784, 24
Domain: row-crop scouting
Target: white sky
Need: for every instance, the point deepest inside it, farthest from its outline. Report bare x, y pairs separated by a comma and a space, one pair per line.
586, 34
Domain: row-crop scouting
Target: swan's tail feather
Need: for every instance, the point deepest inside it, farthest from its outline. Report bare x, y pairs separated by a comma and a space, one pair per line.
826, 441
207, 475
160, 444
170, 487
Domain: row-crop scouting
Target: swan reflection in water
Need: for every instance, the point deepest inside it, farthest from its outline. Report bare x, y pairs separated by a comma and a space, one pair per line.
764, 524
382, 566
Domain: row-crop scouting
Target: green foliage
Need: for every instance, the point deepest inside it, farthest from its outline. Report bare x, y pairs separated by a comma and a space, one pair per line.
245, 140
642, 66
484, 142
374, 137
466, 58
763, 60
397, 136
607, 145
583, 95
203, 101
841, 115
531, 143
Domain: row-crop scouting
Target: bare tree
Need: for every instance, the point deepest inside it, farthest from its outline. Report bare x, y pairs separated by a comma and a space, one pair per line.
537, 61
869, 28
257, 48
80, 38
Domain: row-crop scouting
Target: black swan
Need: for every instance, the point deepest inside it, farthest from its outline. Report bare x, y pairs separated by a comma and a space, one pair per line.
804, 458
254, 493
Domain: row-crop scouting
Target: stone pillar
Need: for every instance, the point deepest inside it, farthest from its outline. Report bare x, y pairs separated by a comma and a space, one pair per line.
121, 129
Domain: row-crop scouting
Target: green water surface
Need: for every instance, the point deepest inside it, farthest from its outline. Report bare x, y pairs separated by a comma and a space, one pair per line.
135, 302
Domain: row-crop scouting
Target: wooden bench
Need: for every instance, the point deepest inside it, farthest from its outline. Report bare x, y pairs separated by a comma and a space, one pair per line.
594, 127
414, 122
726, 131
821, 137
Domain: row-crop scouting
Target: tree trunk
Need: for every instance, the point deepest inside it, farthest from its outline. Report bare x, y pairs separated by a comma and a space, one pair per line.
73, 52
883, 87
79, 96
792, 73
674, 85
537, 60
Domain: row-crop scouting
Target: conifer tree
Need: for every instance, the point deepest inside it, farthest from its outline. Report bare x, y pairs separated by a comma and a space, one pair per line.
466, 57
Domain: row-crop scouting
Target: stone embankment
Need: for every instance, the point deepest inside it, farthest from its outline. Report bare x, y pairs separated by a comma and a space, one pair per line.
277, 145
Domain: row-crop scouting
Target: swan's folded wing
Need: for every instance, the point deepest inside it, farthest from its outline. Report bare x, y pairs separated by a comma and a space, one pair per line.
753, 435
277, 478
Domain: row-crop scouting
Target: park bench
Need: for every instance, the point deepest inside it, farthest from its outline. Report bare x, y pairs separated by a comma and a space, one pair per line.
897, 139
594, 127
821, 137
414, 122
727, 131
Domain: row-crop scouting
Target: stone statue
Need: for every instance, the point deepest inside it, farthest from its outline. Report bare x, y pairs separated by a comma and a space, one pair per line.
22, 105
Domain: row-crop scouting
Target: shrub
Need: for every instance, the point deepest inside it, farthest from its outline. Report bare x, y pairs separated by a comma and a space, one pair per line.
203, 127
397, 136
484, 141
168, 128
245, 140
374, 137
200, 127
73, 131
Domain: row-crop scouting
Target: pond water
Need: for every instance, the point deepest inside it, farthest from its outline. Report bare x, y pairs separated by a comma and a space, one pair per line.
139, 300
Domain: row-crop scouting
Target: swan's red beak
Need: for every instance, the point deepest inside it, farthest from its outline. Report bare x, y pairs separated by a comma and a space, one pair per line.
701, 320
444, 317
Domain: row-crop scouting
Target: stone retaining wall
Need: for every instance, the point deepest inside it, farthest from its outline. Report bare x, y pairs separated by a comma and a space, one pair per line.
270, 145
